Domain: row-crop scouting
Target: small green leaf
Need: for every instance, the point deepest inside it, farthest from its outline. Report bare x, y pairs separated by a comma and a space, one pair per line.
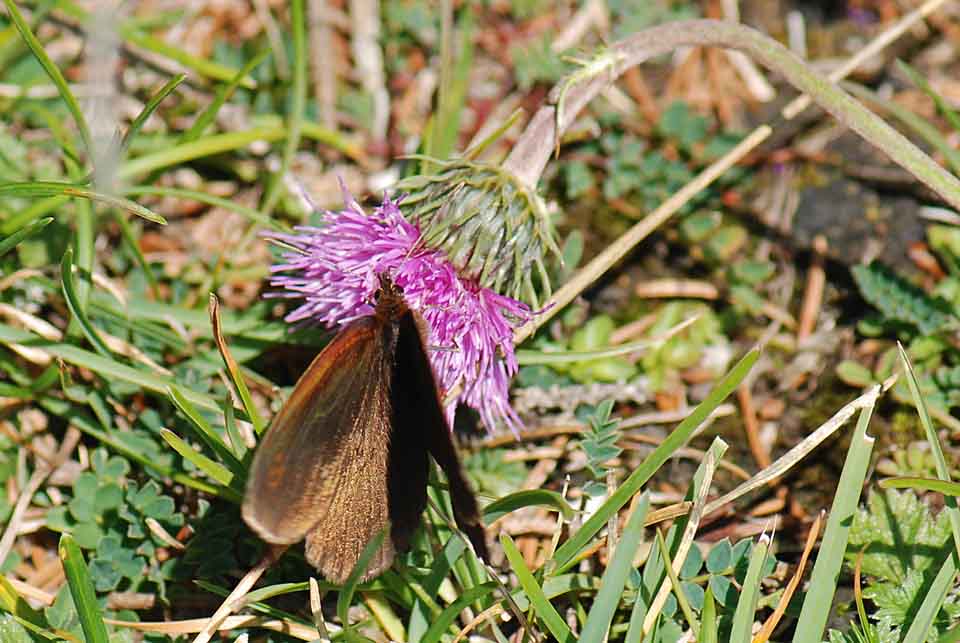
693, 593
855, 374
82, 508
723, 590
108, 496
719, 557
900, 300
87, 534
691, 566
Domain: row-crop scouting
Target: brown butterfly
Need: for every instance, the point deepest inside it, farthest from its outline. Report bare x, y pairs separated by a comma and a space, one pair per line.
346, 456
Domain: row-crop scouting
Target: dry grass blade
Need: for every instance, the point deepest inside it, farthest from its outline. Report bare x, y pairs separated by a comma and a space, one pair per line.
33, 593
714, 453
40, 474
490, 612
813, 295
797, 453
767, 630
189, 626
236, 596
233, 369
316, 608
668, 513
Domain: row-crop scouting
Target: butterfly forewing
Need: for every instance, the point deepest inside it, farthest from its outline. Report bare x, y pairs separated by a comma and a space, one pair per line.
346, 456
328, 445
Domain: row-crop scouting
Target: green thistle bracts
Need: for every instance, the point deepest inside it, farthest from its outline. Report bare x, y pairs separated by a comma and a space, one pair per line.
493, 229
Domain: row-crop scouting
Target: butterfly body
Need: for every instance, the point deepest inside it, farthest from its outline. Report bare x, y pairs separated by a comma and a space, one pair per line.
347, 455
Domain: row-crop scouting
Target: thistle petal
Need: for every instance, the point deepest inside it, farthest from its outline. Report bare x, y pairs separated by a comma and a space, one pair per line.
335, 269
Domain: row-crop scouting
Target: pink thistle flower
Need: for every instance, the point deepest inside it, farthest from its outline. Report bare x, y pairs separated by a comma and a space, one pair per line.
335, 269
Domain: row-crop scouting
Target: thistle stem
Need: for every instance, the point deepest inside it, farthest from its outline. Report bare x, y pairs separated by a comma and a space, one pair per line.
532, 151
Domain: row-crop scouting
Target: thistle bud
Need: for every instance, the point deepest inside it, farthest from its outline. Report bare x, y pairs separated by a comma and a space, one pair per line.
493, 229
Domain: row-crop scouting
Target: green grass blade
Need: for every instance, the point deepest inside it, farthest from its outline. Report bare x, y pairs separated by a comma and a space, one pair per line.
615, 576
924, 85
385, 617
936, 449
45, 634
215, 470
823, 579
148, 110
73, 303
566, 553
231, 141
253, 606
31, 213
709, 625
208, 115
53, 72
130, 240
933, 601
526, 498
84, 234
453, 610
12, 603
920, 127
79, 419
233, 370
424, 610
271, 591
638, 615
749, 593
452, 92
206, 433
680, 536
81, 589
541, 605
56, 188
675, 584
230, 423
298, 101
9, 243
108, 368
345, 596
555, 586
254, 216
12, 45
202, 66
921, 484
529, 357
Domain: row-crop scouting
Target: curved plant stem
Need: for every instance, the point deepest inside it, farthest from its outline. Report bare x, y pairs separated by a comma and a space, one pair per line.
531, 152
